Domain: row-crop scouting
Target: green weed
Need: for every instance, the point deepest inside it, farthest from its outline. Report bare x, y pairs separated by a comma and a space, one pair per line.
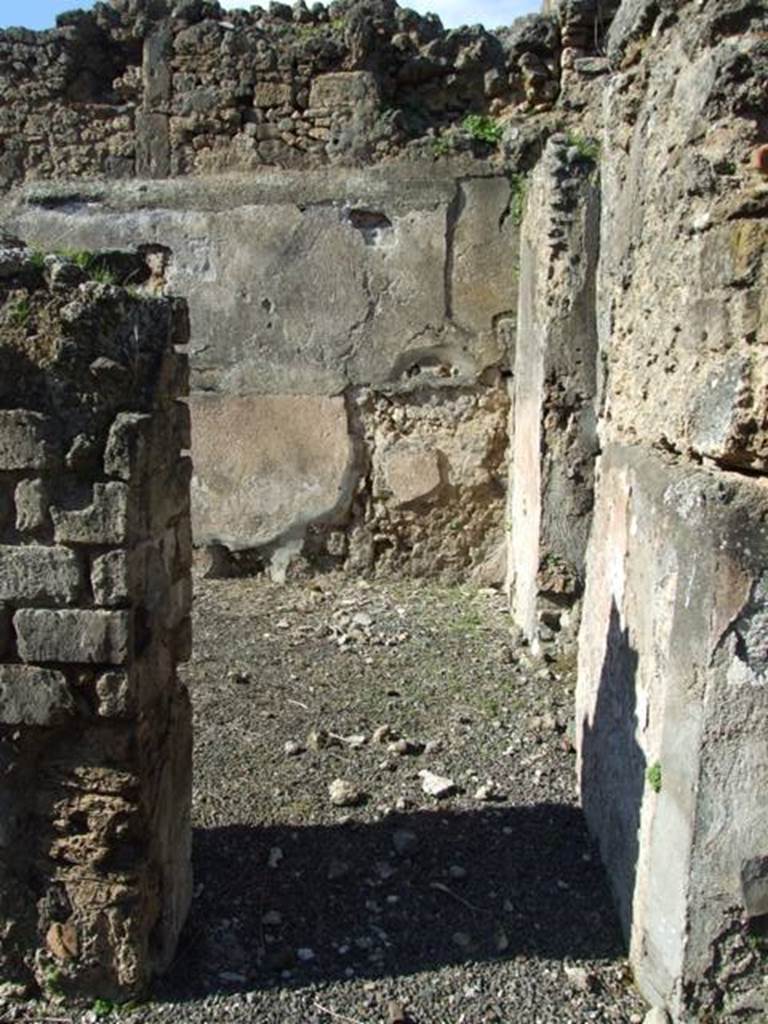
443, 144
653, 776
52, 978
102, 1008
587, 148
20, 312
482, 128
101, 274
37, 259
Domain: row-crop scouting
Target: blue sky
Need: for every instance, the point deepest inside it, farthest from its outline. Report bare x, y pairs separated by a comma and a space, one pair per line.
42, 13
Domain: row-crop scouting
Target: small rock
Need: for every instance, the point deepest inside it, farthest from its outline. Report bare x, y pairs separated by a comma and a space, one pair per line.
549, 722
487, 792
433, 747
657, 1016
293, 749
405, 841
62, 941
462, 940
355, 740
321, 739
580, 978
305, 954
383, 734
344, 794
404, 748
436, 785
457, 872
397, 1014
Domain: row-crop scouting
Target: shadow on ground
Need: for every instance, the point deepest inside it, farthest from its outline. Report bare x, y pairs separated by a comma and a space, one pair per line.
341, 901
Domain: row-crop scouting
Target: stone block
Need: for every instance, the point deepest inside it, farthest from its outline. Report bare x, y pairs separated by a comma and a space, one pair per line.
344, 89
35, 574
114, 696
74, 636
153, 158
272, 94
34, 696
128, 444
105, 521
412, 473
247, 494
109, 579
672, 678
26, 440
31, 499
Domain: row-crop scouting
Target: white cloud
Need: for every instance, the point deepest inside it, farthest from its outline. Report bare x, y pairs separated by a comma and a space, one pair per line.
490, 13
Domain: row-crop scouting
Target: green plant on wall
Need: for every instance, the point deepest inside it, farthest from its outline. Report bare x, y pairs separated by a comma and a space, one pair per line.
444, 143
20, 312
587, 148
653, 776
102, 274
482, 128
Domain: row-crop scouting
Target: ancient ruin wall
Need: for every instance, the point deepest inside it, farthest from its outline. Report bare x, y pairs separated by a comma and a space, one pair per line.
95, 554
672, 704
554, 437
328, 309
154, 88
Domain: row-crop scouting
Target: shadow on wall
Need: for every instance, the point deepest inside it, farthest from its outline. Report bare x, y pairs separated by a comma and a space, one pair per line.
415, 892
614, 766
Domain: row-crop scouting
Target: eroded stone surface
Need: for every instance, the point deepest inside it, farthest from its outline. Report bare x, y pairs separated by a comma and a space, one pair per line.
266, 466
27, 442
95, 788
550, 499
38, 574
33, 696
670, 710
301, 290
671, 693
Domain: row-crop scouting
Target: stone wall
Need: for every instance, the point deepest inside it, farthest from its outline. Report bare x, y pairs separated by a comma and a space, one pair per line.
672, 700
328, 310
95, 553
153, 88
554, 435
335, 297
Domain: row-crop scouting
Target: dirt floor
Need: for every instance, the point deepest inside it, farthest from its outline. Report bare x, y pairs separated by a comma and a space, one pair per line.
484, 905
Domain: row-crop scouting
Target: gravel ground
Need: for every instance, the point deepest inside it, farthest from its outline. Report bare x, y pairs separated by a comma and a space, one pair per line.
487, 906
